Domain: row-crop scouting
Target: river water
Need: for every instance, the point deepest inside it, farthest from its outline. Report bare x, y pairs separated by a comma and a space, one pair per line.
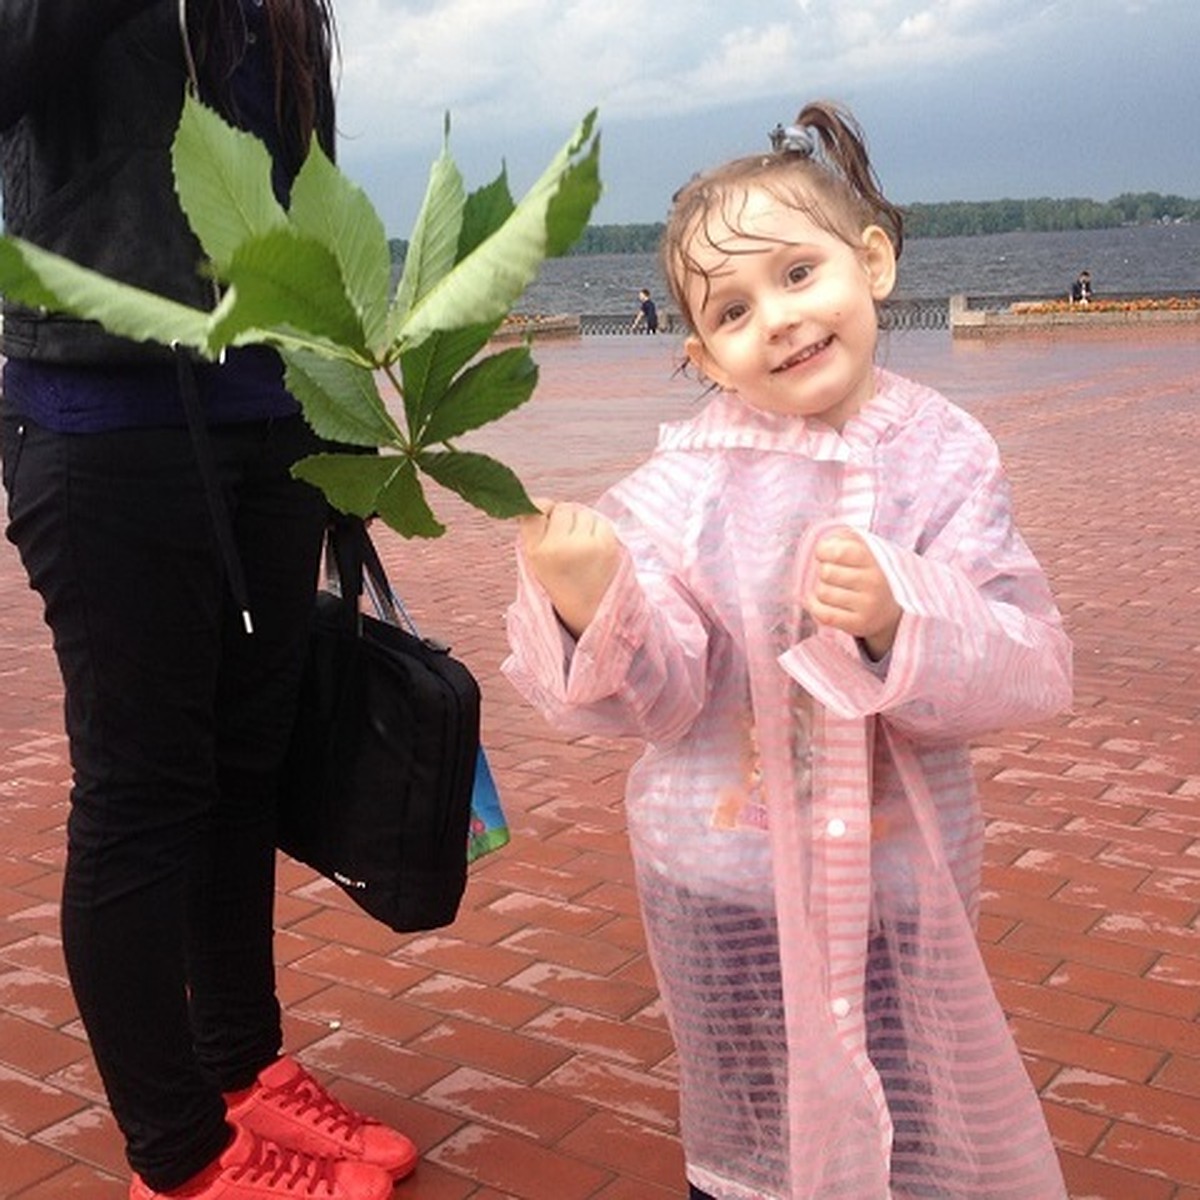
1139, 260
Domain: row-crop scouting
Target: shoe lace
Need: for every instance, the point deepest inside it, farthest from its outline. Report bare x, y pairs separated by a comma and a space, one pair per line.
289, 1172
308, 1099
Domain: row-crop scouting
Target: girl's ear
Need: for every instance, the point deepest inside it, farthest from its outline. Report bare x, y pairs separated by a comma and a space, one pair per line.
704, 362
879, 261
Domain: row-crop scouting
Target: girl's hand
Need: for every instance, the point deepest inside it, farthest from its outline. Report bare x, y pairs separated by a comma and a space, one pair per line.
574, 553
852, 593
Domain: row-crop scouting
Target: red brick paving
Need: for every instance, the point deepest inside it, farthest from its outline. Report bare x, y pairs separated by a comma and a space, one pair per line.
524, 1047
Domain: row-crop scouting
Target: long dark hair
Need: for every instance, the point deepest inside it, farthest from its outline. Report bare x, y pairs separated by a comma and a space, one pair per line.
303, 41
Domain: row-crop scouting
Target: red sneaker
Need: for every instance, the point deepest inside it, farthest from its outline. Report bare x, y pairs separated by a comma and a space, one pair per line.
287, 1105
252, 1168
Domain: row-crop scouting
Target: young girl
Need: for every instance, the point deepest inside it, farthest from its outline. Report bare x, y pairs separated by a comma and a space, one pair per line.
806, 603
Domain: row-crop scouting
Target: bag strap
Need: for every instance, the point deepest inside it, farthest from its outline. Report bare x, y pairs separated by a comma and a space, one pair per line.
217, 507
357, 568
388, 606
349, 549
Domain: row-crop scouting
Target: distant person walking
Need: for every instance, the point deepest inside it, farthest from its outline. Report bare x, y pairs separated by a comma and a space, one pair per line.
1081, 289
646, 316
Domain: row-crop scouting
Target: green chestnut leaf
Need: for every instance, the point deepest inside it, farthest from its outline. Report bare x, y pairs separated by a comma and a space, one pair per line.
483, 393
486, 211
328, 207
39, 279
482, 481
485, 285
313, 280
351, 482
286, 279
223, 180
341, 400
427, 370
402, 505
433, 248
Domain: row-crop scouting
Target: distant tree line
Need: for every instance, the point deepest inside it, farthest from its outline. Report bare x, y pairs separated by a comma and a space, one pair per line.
596, 239
1042, 215
954, 218
619, 239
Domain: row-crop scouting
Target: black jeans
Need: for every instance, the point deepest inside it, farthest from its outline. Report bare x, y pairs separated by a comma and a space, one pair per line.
177, 721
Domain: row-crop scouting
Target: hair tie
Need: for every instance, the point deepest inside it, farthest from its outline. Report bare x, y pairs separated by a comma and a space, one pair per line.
795, 139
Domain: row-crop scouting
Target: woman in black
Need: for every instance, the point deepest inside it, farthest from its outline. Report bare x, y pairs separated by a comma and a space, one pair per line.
177, 717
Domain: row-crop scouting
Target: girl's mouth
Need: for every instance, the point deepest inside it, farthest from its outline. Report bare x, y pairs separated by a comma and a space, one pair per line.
803, 356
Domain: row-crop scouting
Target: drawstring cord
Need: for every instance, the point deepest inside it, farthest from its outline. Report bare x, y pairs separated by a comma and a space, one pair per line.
217, 507
197, 426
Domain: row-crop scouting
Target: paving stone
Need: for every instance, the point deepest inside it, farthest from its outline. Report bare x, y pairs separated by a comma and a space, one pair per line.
524, 1048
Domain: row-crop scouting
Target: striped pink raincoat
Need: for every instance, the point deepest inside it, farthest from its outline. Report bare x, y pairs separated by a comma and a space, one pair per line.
804, 823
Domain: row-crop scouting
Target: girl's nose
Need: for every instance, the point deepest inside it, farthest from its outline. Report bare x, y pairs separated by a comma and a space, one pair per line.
779, 312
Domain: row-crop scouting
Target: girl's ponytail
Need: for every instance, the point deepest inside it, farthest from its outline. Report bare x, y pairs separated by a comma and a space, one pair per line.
845, 152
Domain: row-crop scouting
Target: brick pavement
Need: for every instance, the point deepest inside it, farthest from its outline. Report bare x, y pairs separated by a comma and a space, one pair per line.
524, 1046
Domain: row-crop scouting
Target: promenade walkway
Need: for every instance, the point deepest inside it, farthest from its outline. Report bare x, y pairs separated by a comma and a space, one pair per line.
524, 1047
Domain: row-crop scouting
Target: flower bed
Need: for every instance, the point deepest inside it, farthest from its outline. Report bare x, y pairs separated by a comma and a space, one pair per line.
517, 327
1144, 304
1036, 315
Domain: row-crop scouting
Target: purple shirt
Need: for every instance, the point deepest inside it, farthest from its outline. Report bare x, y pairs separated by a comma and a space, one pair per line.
84, 399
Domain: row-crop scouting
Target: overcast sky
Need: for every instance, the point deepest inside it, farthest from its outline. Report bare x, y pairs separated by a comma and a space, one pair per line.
960, 99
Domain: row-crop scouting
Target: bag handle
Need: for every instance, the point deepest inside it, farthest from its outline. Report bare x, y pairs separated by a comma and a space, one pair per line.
355, 568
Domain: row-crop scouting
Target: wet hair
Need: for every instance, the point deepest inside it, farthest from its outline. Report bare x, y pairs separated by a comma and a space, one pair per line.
824, 172
303, 41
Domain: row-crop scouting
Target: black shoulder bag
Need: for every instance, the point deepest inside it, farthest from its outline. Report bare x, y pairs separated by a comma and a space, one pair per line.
377, 785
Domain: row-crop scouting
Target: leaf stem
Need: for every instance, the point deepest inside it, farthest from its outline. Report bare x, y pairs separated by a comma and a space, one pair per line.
409, 435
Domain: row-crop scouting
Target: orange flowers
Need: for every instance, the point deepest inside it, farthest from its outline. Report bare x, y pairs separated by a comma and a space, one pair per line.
1144, 304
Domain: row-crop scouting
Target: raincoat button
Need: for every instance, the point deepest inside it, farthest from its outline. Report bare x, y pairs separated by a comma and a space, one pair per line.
836, 828
841, 1007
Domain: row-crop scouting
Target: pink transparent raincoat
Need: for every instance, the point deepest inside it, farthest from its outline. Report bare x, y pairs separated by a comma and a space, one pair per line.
804, 823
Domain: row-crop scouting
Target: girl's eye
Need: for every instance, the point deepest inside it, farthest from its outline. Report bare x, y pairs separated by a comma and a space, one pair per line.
799, 273
731, 312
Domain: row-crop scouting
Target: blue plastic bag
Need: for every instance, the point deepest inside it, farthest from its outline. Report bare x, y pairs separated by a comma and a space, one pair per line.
489, 830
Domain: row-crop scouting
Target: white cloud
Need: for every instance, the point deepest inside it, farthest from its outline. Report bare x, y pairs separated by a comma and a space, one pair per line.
513, 73
523, 64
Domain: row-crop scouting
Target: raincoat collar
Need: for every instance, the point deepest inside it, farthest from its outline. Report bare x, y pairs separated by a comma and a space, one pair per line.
729, 423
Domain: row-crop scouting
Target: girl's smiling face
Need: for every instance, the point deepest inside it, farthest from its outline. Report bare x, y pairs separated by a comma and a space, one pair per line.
785, 309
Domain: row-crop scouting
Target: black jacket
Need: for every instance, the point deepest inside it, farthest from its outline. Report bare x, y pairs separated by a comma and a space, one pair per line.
90, 97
